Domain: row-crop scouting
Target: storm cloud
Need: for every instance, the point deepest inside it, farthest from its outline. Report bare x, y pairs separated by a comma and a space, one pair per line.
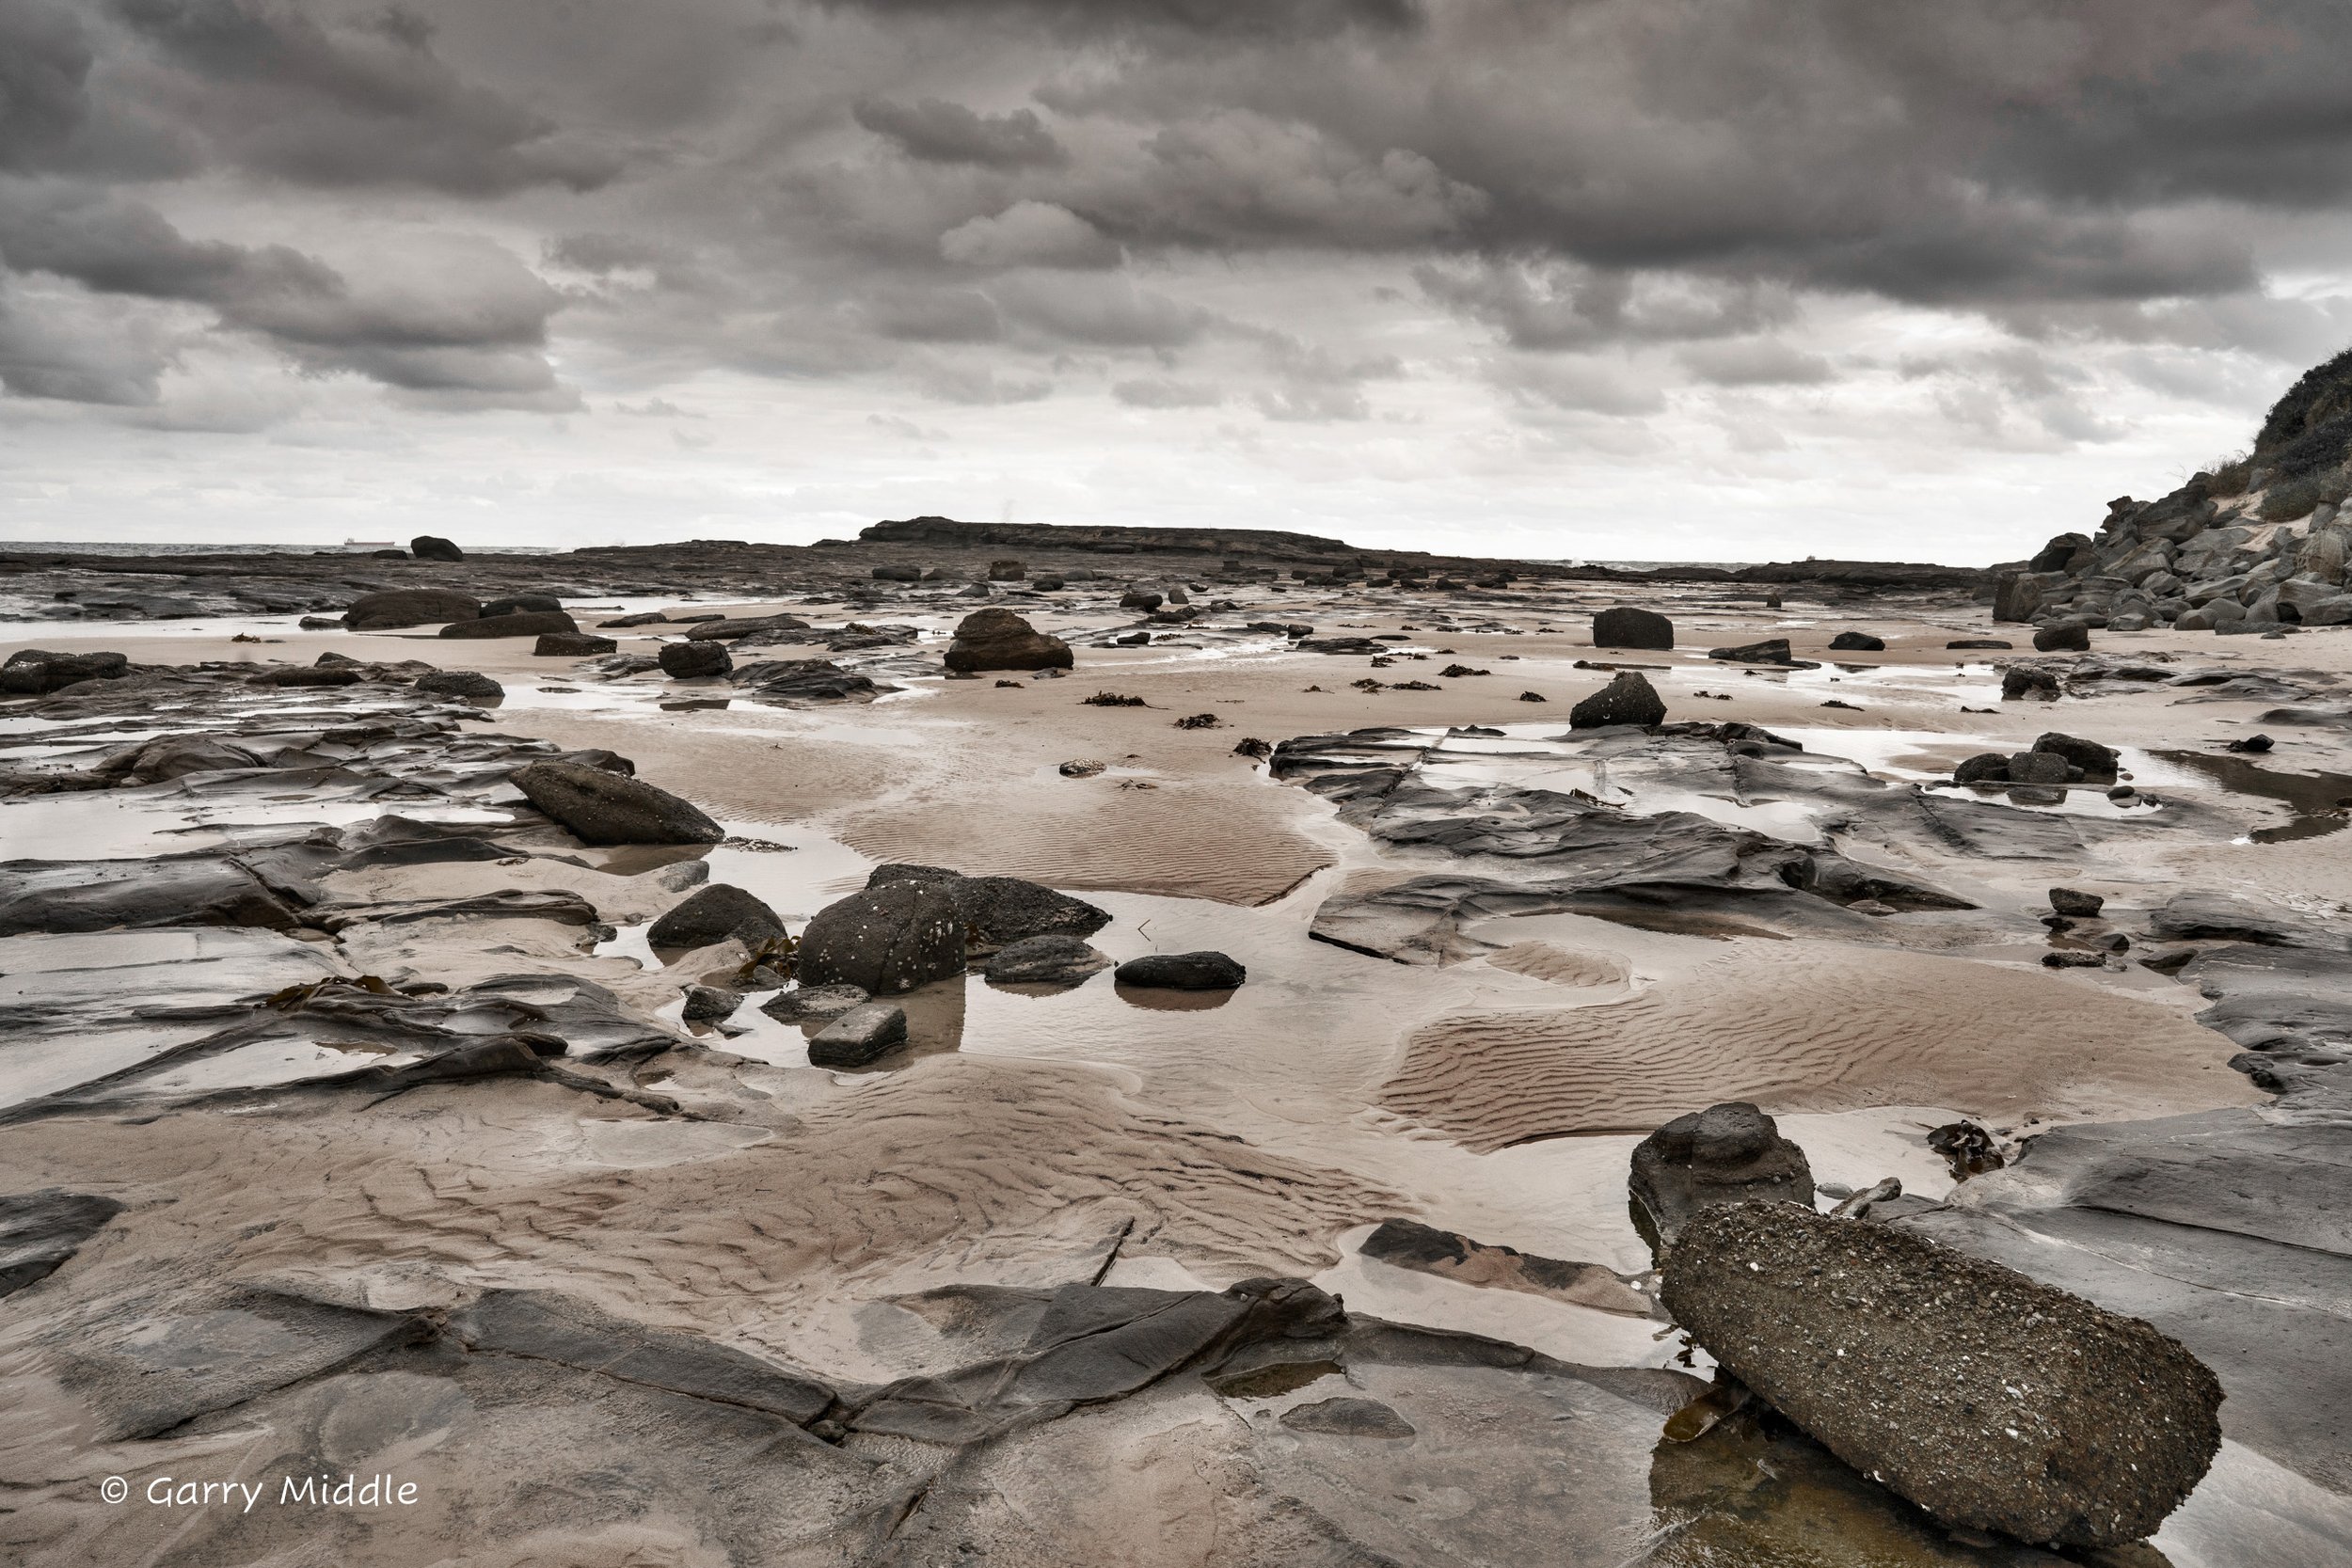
1476, 265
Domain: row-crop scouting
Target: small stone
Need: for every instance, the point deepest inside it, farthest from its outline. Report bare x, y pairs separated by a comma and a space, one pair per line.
1204, 971
810, 1002
710, 1003
1347, 1418
859, 1036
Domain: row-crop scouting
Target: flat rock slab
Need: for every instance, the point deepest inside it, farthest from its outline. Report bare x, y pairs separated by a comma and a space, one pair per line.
39, 1232
1992, 1400
1409, 1244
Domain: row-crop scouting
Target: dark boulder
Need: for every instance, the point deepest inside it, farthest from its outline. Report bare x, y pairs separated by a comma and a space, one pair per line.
621, 622
468, 685
305, 675
2097, 762
534, 622
604, 807
101, 895
1055, 960
2020, 683
426, 547
1773, 650
36, 671
692, 660
2070, 636
1624, 626
1857, 643
806, 680
885, 940
997, 639
1203, 970
572, 644
1007, 571
409, 606
710, 1003
814, 1003
2038, 767
722, 628
1140, 599
862, 1035
1629, 698
1992, 1400
2075, 905
523, 604
712, 914
1727, 1153
997, 911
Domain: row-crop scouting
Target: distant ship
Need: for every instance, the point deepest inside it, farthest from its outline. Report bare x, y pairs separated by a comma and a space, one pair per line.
369, 545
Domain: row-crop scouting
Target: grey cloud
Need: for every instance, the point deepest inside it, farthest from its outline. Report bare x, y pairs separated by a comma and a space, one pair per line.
50, 349
45, 61
1581, 386
1755, 362
936, 131
1541, 305
458, 318
1162, 392
349, 102
934, 315
978, 385
1245, 18
1030, 233
1105, 311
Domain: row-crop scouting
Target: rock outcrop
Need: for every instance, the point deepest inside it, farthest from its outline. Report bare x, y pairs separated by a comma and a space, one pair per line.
1628, 699
409, 606
885, 941
604, 807
997, 639
1624, 626
1727, 1153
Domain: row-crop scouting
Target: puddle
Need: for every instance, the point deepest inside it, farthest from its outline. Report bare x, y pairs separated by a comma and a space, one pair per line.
2319, 800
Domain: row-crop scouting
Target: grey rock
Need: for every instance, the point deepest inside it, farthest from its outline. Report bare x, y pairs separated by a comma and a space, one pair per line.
1992, 1400
859, 1036
806, 680
724, 628
604, 807
2098, 763
409, 606
2037, 767
1624, 626
1000, 909
1857, 643
814, 1002
36, 671
1203, 970
712, 914
1984, 768
1409, 1244
694, 660
519, 604
1054, 960
884, 940
572, 644
710, 1003
997, 639
1354, 1418
1628, 699
2062, 636
1773, 650
2076, 905
98, 896
522, 624
427, 546
1727, 1153
466, 685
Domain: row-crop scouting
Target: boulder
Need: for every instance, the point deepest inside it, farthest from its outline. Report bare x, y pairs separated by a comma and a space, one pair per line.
712, 914
693, 659
520, 604
1055, 960
2097, 762
1624, 626
884, 940
2076, 905
604, 807
725, 628
426, 546
1984, 768
710, 1003
806, 680
572, 644
409, 606
1182, 972
2063, 637
2038, 767
997, 639
1995, 1403
865, 1032
1857, 643
1727, 1153
998, 911
36, 671
1007, 571
466, 685
1629, 699
2021, 683
1140, 599
530, 623
1773, 650
810, 1003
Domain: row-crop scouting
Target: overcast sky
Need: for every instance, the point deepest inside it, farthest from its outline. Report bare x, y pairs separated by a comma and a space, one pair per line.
1701, 279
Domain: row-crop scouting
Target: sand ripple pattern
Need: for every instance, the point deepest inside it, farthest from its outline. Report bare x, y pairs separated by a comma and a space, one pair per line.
1808, 1027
